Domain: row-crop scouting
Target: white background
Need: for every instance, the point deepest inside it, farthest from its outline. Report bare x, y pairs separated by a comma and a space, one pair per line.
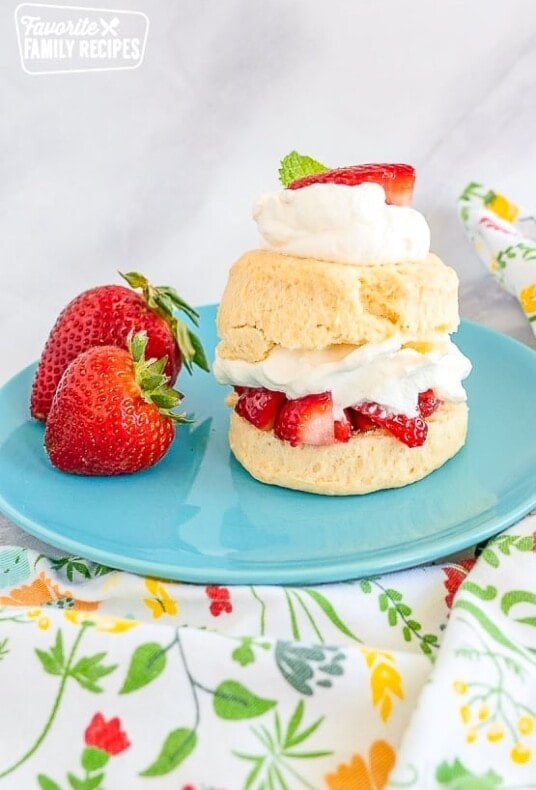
156, 169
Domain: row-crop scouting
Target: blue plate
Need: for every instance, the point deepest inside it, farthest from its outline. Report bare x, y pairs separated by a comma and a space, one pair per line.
198, 516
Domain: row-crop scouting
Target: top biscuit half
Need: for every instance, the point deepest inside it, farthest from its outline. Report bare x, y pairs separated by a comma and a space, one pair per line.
274, 299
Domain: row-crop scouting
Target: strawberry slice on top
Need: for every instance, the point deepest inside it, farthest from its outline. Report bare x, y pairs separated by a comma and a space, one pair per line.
397, 179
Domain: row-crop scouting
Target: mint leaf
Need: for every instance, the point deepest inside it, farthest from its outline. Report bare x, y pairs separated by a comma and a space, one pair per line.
295, 165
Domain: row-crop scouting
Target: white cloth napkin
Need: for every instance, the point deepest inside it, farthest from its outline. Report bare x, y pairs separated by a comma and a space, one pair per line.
424, 678
504, 236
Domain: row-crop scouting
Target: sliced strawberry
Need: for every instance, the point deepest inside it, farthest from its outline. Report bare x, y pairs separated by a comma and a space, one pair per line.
307, 420
259, 406
397, 179
409, 430
343, 428
361, 422
239, 390
428, 403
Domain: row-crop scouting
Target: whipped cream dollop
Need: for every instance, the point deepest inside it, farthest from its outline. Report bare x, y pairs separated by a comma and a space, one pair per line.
385, 373
347, 224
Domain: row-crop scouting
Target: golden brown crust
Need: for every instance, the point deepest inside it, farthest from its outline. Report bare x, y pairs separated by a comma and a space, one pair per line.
370, 461
275, 299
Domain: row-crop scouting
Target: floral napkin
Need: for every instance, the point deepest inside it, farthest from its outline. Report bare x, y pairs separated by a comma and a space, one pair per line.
424, 678
504, 236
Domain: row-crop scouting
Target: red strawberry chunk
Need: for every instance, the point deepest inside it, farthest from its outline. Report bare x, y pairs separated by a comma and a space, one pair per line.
428, 403
343, 428
409, 430
397, 179
361, 422
259, 406
307, 420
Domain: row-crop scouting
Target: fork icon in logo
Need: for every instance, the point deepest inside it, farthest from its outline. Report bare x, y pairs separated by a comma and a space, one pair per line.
109, 27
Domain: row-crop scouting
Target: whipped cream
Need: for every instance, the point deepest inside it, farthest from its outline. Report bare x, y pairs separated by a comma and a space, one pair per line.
340, 223
383, 372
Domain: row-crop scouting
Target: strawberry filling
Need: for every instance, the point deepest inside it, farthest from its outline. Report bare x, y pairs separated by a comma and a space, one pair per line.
310, 420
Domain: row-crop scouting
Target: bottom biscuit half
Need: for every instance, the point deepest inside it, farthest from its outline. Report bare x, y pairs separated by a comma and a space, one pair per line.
369, 462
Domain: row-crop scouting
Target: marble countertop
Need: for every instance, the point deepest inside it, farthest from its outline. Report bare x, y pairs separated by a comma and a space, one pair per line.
156, 169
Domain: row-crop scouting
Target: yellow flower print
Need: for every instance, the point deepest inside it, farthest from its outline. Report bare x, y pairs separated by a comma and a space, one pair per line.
385, 680
471, 735
359, 774
106, 623
465, 714
520, 753
495, 733
43, 623
525, 725
527, 297
501, 206
459, 686
483, 713
161, 603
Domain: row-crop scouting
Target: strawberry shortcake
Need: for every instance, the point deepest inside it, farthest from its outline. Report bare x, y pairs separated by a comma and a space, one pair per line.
335, 336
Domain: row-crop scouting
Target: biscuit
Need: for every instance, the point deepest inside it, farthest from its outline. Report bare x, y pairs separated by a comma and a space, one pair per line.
369, 462
275, 299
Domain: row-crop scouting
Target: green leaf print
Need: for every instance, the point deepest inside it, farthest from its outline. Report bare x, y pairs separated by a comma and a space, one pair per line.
514, 597
244, 654
93, 758
53, 660
88, 670
301, 665
4, 650
176, 748
274, 767
489, 556
71, 565
504, 544
399, 613
455, 776
147, 663
234, 701
300, 611
47, 784
490, 627
488, 593
330, 613
87, 783
292, 736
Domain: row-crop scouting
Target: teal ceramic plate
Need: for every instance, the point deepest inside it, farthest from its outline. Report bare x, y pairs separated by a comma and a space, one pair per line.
198, 516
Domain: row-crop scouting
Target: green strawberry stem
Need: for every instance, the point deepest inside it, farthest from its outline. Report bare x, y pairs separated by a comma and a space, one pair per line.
150, 376
165, 302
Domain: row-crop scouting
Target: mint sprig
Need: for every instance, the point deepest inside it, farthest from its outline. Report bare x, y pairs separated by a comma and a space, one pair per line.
295, 165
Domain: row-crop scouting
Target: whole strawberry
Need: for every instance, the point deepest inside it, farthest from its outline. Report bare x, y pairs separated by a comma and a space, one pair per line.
105, 315
110, 413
